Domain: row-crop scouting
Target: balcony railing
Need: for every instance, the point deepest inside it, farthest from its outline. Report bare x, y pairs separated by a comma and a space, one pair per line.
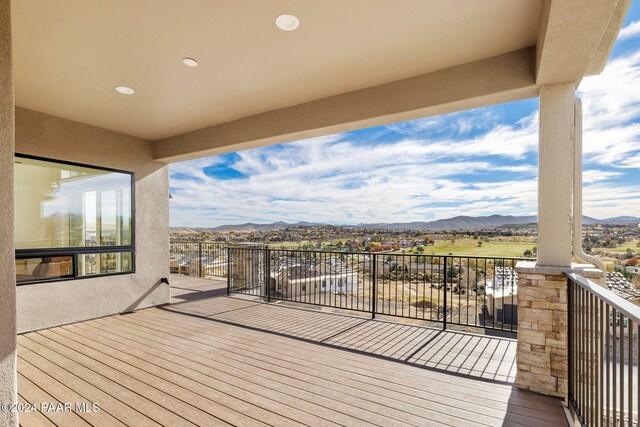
451, 290
603, 355
199, 259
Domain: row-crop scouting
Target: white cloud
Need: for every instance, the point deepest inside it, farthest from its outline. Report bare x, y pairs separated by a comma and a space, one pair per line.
611, 200
596, 175
611, 104
449, 125
465, 163
630, 31
349, 182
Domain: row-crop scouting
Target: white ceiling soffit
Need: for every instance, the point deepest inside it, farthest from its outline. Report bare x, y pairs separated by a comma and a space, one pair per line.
70, 55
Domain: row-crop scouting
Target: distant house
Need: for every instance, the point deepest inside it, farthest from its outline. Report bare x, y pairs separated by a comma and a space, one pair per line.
633, 270
211, 265
619, 285
502, 296
293, 277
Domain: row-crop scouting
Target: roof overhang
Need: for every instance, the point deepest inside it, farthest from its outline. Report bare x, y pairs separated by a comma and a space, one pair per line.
345, 68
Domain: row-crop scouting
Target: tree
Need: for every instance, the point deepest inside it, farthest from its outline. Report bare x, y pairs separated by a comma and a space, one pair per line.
528, 253
479, 243
452, 272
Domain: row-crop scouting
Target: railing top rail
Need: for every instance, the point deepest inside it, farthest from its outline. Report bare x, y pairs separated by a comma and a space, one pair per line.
620, 304
403, 255
198, 241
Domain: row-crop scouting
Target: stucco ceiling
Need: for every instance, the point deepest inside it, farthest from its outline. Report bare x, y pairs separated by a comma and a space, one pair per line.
69, 55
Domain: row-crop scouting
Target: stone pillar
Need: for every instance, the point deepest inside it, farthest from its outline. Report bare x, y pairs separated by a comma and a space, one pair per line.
542, 353
8, 382
555, 174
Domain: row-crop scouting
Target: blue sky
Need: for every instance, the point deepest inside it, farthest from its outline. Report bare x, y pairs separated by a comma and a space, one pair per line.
477, 162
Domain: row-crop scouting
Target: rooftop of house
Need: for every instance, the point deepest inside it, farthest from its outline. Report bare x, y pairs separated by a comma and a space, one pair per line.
619, 285
307, 268
505, 282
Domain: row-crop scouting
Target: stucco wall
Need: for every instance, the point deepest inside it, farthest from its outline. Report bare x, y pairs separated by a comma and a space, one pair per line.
8, 386
48, 304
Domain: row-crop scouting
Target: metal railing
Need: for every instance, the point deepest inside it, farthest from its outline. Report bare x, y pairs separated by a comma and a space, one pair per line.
199, 259
460, 290
603, 355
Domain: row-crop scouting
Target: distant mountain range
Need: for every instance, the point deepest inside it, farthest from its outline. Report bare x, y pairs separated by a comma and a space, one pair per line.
455, 223
249, 226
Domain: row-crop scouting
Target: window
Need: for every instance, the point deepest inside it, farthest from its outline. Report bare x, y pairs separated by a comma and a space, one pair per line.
72, 220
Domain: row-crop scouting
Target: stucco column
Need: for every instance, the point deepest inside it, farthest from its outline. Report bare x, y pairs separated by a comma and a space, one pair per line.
8, 383
555, 174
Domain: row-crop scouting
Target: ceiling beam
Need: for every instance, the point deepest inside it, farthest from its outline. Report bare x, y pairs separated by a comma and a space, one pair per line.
489, 81
576, 37
609, 37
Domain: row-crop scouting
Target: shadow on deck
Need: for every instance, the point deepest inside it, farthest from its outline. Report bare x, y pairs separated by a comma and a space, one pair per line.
479, 356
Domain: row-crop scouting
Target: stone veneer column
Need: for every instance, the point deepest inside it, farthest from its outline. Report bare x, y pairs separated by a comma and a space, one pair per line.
8, 384
542, 354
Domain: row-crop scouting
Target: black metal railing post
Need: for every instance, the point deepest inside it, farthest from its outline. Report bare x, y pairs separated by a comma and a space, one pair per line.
374, 285
228, 270
267, 273
199, 259
444, 281
571, 338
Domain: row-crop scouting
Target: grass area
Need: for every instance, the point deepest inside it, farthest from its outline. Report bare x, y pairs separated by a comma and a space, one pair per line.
611, 256
470, 247
286, 245
622, 249
499, 247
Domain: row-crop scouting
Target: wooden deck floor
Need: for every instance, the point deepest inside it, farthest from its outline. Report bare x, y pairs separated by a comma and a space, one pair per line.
228, 361
185, 288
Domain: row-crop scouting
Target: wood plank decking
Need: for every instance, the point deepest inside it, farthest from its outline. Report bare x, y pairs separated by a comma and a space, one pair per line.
185, 288
228, 361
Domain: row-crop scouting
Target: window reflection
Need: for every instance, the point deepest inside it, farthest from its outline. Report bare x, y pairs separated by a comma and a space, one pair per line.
62, 205
66, 211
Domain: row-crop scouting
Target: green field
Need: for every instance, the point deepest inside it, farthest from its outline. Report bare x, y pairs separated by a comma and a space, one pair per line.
615, 254
286, 245
470, 247
622, 249
495, 247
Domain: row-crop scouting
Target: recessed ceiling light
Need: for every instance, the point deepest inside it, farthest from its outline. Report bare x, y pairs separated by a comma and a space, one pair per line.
190, 62
125, 90
287, 22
